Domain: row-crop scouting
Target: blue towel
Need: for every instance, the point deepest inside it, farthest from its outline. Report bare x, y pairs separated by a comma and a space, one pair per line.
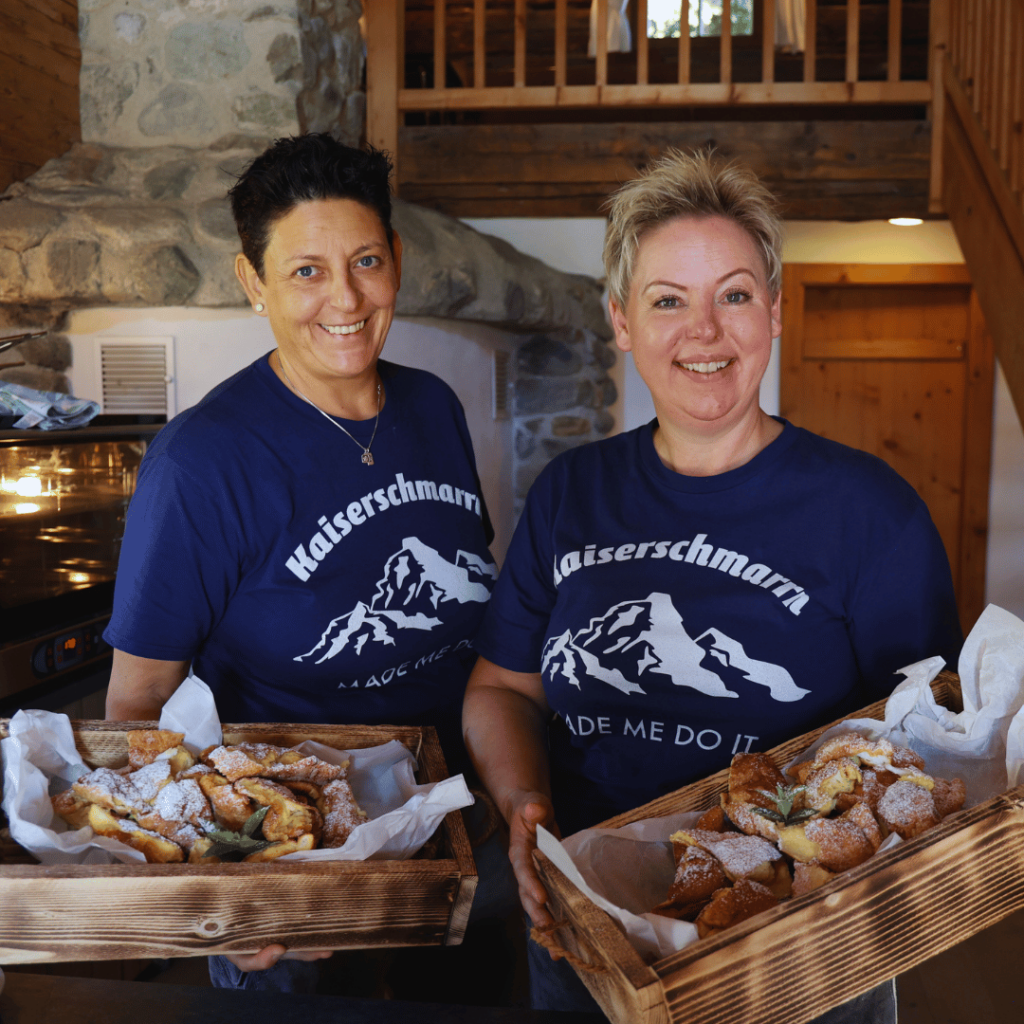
47, 410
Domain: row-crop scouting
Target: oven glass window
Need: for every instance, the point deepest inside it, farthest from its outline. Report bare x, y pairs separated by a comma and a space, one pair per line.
62, 510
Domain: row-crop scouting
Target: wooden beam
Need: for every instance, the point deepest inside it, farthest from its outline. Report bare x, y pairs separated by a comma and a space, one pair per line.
993, 259
667, 95
797, 150
977, 467
768, 41
382, 76
848, 170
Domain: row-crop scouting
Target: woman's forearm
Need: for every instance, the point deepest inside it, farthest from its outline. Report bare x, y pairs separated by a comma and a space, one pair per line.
505, 734
139, 687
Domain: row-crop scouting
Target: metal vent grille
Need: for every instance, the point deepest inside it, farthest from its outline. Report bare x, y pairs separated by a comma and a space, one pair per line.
136, 375
501, 384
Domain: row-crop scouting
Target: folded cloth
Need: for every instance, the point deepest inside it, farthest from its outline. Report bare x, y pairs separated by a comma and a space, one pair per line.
47, 410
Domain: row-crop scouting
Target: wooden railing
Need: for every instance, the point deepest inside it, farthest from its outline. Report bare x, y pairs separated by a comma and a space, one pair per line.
984, 80
978, 162
547, 27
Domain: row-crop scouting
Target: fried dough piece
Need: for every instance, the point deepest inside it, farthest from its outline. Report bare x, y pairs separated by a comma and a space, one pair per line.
948, 795
853, 744
156, 848
72, 808
180, 813
111, 790
245, 760
341, 813
305, 769
874, 782
907, 809
310, 790
231, 809
713, 820
286, 818
238, 762
751, 776
730, 906
864, 818
741, 856
151, 778
753, 781
698, 876
146, 745
842, 843
904, 757
275, 850
825, 782
809, 876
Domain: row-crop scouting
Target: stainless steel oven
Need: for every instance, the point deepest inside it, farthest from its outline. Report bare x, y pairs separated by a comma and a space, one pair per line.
63, 496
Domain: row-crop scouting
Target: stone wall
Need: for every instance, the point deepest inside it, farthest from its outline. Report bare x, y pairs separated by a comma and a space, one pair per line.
177, 97
189, 72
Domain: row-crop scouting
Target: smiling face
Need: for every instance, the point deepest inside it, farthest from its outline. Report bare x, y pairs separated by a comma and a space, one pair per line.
329, 287
699, 321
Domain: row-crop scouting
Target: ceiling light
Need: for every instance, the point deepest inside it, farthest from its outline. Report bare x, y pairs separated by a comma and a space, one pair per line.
905, 222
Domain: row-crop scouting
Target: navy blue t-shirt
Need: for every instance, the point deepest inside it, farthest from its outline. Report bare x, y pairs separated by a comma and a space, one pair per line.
304, 585
678, 620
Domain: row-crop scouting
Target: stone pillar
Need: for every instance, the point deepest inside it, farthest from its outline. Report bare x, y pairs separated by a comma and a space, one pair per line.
168, 72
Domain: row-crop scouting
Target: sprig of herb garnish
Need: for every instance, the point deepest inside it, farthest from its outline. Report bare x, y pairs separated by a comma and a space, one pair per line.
784, 797
241, 844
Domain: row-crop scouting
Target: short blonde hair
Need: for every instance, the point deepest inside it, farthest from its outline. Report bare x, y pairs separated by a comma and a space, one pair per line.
695, 184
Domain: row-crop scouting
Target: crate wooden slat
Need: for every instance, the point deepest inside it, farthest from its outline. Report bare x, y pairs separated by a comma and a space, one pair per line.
792, 963
119, 911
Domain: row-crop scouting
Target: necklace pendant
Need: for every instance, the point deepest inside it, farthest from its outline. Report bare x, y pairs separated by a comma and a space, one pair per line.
367, 459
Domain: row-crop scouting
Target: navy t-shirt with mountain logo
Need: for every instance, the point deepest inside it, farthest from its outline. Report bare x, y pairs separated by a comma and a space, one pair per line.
304, 585
679, 620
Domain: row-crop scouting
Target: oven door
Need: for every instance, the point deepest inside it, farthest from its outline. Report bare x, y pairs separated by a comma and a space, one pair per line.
63, 498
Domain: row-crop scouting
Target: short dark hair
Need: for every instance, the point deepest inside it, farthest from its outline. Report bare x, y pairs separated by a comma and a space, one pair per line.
299, 169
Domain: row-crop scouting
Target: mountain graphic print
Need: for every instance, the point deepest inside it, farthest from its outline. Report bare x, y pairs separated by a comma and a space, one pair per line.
416, 584
635, 641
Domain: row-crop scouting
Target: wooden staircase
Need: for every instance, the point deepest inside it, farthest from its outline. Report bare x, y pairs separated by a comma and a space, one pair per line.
894, 107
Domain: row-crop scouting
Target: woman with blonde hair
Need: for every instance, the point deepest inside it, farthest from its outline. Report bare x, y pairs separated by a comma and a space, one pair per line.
715, 581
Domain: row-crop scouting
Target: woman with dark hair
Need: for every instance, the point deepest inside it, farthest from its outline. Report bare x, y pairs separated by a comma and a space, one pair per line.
311, 538
716, 581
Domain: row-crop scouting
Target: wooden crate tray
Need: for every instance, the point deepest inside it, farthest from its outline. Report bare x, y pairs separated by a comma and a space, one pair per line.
790, 964
120, 911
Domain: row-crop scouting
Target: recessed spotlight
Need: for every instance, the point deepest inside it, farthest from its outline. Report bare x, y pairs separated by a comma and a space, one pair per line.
905, 222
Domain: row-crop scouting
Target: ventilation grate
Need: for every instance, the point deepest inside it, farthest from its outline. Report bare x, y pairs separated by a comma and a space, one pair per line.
135, 375
501, 384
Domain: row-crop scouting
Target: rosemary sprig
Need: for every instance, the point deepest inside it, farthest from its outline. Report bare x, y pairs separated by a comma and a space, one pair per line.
784, 797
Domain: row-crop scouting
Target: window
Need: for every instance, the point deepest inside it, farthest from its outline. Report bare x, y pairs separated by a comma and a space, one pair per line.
705, 18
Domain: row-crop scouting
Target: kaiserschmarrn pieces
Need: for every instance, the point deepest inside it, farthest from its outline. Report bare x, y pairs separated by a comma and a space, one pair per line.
773, 837
253, 801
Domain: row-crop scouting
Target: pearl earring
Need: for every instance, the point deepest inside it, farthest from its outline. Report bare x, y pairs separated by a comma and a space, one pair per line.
260, 307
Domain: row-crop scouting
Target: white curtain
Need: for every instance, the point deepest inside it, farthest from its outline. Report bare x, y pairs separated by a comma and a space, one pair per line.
619, 38
790, 24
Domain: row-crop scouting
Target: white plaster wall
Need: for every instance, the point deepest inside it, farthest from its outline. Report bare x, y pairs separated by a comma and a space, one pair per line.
211, 344
574, 245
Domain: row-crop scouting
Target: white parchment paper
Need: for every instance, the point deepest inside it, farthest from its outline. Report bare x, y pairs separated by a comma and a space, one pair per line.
629, 869
40, 759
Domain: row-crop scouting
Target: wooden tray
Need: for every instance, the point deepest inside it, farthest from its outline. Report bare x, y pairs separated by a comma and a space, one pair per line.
119, 911
795, 961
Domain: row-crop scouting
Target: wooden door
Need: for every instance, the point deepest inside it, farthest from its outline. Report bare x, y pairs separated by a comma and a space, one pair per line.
896, 360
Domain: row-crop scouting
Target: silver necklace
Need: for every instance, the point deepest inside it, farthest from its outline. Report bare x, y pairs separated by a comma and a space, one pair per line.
367, 456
